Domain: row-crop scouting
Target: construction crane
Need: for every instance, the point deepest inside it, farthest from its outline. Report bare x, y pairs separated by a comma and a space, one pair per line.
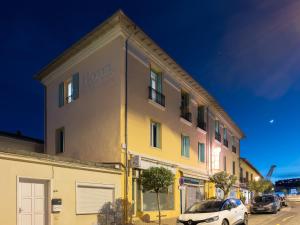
269, 174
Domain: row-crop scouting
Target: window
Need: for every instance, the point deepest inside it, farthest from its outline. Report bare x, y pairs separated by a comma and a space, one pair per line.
225, 141
90, 198
241, 175
225, 164
68, 90
201, 152
233, 144
166, 200
60, 140
184, 108
155, 89
156, 81
217, 130
233, 167
155, 129
216, 158
247, 176
251, 177
201, 120
185, 146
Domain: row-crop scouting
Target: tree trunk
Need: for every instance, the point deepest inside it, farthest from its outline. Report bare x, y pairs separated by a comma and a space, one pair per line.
158, 207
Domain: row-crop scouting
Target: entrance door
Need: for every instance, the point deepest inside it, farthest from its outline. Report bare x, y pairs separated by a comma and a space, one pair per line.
32, 204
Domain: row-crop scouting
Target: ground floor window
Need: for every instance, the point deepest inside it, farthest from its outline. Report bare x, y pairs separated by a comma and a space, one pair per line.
93, 198
166, 200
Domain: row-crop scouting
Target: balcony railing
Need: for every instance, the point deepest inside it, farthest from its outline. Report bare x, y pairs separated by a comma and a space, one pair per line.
233, 149
218, 136
186, 115
201, 125
225, 142
156, 96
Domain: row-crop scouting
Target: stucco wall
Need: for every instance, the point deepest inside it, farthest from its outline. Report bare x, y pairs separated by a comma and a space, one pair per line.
91, 122
141, 111
62, 180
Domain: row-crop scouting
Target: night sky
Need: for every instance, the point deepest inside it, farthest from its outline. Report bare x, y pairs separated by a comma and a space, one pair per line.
245, 53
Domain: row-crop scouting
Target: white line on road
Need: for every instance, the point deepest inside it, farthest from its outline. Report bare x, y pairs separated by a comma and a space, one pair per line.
289, 217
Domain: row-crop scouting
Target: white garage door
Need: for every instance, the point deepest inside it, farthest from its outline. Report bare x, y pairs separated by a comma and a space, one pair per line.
32, 202
92, 197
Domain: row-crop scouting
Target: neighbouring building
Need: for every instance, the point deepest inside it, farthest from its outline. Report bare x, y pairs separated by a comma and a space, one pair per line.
38, 189
288, 186
247, 173
17, 141
116, 97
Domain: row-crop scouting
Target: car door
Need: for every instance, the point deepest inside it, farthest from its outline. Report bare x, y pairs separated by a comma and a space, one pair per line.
240, 210
228, 211
235, 211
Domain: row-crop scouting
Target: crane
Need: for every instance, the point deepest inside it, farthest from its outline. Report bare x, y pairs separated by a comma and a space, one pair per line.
269, 174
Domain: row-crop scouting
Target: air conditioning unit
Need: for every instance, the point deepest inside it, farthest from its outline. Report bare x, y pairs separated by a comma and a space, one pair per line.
136, 161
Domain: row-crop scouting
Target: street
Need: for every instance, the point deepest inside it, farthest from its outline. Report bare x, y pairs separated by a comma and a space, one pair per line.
287, 216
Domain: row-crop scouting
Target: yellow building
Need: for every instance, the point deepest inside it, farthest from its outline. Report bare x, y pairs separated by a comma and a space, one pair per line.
53, 190
247, 173
116, 97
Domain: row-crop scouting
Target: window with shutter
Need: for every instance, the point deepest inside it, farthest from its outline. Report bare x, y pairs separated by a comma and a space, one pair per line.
90, 198
201, 152
61, 94
185, 146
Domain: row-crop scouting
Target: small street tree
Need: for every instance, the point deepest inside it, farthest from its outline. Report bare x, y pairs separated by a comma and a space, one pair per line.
224, 181
157, 179
260, 186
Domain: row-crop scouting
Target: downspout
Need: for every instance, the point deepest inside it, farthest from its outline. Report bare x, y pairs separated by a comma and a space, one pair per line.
126, 128
126, 131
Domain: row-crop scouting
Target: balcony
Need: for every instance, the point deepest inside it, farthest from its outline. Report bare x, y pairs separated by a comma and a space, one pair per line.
225, 142
156, 96
218, 136
233, 149
201, 125
186, 115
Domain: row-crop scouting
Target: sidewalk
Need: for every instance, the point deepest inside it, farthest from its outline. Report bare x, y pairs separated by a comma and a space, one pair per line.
171, 221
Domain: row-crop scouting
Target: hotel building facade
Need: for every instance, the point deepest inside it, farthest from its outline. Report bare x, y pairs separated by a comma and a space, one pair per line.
116, 97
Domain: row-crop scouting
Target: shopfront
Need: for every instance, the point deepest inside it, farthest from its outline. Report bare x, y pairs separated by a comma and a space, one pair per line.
191, 191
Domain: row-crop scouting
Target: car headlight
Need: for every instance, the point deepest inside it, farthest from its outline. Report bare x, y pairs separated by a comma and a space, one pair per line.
212, 219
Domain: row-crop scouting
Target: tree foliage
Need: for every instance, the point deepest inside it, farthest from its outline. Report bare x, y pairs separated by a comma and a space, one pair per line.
224, 181
157, 179
260, 186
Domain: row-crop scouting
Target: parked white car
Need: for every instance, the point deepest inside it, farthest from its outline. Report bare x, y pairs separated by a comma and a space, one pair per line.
215, 212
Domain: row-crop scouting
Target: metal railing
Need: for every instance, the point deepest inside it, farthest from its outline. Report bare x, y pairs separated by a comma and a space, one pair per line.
233, 149
225, 142
156, 96
218, 136
186, 115
201, 125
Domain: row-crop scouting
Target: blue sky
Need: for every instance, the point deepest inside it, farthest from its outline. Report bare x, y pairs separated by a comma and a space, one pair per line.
245, 53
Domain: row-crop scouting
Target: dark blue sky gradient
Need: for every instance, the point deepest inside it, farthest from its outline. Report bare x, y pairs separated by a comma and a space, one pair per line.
245, 53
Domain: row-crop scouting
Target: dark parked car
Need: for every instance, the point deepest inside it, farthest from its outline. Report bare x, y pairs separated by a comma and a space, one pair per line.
265, 203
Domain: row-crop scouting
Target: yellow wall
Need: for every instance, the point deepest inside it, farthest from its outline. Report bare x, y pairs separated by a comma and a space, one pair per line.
62, 180
247, 168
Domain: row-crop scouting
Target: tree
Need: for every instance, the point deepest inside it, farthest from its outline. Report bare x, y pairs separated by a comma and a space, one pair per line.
260, 186
224, 181
157, 179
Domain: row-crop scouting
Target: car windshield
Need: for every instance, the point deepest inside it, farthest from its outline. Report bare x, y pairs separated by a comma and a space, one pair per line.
264, 199
204, 207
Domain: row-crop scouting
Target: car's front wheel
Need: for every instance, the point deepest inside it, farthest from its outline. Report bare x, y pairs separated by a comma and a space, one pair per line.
245, 219
225, 222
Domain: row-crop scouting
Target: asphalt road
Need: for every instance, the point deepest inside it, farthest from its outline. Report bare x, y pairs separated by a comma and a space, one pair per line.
287, 216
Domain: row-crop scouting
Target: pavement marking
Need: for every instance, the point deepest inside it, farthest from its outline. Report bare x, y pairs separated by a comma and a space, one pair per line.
289, 217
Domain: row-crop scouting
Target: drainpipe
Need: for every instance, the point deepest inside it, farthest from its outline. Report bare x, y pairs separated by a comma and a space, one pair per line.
126, 128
